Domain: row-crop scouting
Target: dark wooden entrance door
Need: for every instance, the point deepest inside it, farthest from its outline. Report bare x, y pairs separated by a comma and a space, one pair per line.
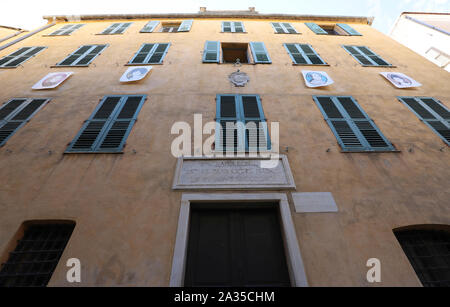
241, 246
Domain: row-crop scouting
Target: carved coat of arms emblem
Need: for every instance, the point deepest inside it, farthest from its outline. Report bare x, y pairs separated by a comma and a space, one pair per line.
239, 78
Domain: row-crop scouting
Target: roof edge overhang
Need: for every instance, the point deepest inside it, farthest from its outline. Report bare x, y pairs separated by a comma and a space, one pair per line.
12, 28
324, 18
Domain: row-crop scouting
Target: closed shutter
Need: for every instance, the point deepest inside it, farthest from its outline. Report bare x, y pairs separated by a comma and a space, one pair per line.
365, 56
66, 30
348, 29
304, 54
116, 28
353, 128
278, 28
432, 113
226, 26
18, 57
233, 26
109, 126
238, 27
241, 124
289, 28
150, 54
315, 28
150, 26
83, 56
211, 53
185, 26
284, 27
15, 113
260, 54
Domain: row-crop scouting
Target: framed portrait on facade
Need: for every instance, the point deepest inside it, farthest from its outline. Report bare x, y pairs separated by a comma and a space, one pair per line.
52, 80
400, 80
135, 73
316, 78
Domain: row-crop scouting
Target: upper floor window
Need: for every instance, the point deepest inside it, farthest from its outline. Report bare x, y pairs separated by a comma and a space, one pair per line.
333, 29
253, 52
241, 124
16, 113
428, 251
66, 30
353, 128
18, 57
432, 112
116, 28
304, 54
365, 56
167, 27
233, 26
83, 56
107, 129
284, 27
150, 54
36, 255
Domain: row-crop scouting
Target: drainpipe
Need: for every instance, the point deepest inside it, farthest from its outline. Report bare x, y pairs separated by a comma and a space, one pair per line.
11, 36
27, 35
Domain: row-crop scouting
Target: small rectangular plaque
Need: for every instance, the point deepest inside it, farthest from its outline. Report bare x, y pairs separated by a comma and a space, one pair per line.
232, 173
314, 202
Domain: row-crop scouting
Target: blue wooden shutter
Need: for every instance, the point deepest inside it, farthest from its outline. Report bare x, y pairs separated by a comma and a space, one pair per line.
288, 28
433, 113
109, 126
348, 29
353, 129
227, 117
226, 26
304, 54
123, 26
277, 27
259, 51
365, 56
142, 54
150, 26
66, 30
158, 53
83, 56
111, 28
238, 27
315, 28
16, 113
252, 116
211, 53
185, 26
20, 56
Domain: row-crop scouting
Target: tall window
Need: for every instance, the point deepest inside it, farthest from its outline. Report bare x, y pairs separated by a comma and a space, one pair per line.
18, 57
304, 54
332, 29
365, 56
253, 52
108, 127
83, 56
66, 30
150, 54
241, 124
116, 28
283, 28
428, 251
353, 128
233, 26
36, 255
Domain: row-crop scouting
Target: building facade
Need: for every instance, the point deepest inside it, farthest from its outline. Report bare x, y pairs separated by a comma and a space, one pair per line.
427, 34
88, 171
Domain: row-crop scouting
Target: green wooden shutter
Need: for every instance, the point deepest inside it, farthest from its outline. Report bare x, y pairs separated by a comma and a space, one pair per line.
353, 128
185, 26
227, 116
109, 126
260, 54
211, 53
158, 53
315, 28
142, 54
20, 56
16, 113
289, 28
348, 29
365, 56
111, 28
150, 26
66, 30
238, 27
256, 132
83, 56
304, 54
433, 113
123, 26
277, 27
226, 26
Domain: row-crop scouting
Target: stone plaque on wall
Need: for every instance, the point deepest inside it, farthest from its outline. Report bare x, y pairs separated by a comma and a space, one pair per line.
231, 173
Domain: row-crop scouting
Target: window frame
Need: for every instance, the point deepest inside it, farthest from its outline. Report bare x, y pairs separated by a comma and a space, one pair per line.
304, 55
150, 54
2, 66
71, 29
283, 27
82, 56
233, 27
117, 28
374, 64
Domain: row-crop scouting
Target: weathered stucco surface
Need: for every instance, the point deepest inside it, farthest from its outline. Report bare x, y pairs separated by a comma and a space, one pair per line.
125, 210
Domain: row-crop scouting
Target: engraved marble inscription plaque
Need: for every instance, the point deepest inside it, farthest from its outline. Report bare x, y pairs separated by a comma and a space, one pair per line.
235, 173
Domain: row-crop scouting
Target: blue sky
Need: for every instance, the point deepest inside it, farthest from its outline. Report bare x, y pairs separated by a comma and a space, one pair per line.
384, 11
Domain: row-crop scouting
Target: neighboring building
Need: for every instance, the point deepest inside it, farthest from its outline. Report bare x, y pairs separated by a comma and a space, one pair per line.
428, 34
7, 33
87, 169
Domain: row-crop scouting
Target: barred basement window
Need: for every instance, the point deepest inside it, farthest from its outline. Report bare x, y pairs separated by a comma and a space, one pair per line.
16, 113
66, 30
428, 251
107, 129
83, 56
36, 255
20, 56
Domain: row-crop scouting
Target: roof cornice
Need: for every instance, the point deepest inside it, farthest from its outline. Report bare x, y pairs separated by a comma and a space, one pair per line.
208, 15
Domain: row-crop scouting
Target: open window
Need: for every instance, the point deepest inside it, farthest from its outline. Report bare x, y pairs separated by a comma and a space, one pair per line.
250, 53
170, 27
231, 52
